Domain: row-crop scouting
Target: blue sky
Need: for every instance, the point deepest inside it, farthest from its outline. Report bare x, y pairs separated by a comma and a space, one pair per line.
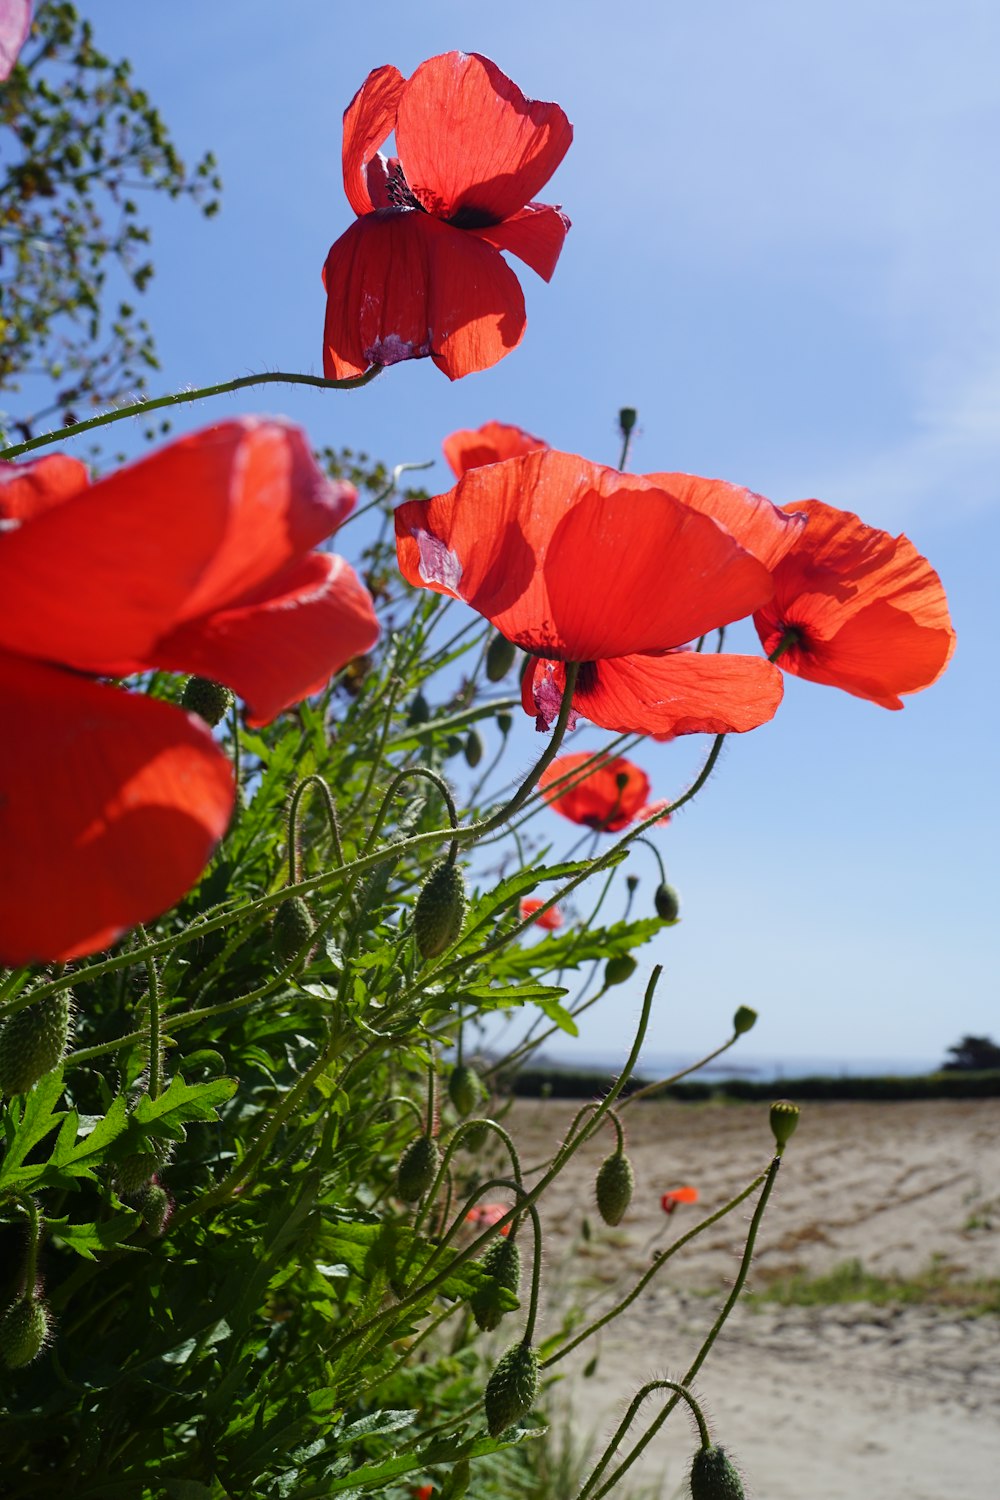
784, 250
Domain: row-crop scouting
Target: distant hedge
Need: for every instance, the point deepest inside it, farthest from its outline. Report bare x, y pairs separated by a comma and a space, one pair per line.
557, 1083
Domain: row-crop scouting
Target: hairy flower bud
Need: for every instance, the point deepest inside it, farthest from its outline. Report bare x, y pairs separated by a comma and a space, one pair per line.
744, 1020
440, 910
33, 1042
473, 748
419, 711
210, 700
24, 1328
613, 1188
667, 903
292, 926
417, 1168
713, 1477
502, 1263
464, 1089
784, 1119
134, 1172
627, 418
619, 969
512, 1388
500, 657
505, 723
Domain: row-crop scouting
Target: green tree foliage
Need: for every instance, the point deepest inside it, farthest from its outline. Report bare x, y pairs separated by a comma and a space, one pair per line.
80, 143
973, 1054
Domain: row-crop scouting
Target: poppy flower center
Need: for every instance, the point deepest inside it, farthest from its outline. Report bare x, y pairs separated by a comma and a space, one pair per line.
398, 190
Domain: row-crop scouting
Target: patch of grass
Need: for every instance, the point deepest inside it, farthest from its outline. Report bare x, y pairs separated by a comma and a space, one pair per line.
939, 1285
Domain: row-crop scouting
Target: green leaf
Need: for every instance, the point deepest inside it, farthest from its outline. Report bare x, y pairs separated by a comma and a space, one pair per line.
87, 1239
36, 1122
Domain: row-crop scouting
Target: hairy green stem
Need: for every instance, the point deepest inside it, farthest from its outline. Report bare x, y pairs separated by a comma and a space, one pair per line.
713, 1334
681, 1393
181, 398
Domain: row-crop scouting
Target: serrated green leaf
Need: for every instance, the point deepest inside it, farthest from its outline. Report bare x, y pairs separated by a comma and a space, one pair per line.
87, 1239
36, 1122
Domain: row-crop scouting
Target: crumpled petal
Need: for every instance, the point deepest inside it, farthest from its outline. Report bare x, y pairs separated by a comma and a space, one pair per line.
110, 805
673, 693
193, 528
535, 235
402, 285
869, 611
369, 120
472, 146
765, 530
285, 642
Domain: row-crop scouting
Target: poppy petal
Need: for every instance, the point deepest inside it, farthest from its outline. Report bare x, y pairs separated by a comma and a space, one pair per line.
110, 805
535, 235
869, 612
401, 285
472, 146
674, 693
765, 530
28, 489
285, 643
195, 527
489, 444
15, 23
607, 796
516, 541
369, 120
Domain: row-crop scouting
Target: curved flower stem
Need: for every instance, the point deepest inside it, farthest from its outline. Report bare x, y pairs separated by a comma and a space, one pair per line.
713, 1334
640, 839
505, 813
681, 1393
315, 779
181, 398
647, 1277
394, 785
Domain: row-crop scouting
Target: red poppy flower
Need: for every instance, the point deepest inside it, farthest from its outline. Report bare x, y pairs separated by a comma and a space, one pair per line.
490, 444
576, 562
195, 559
484, 1215
420, 271
869, 614
607, 798
550, 920
676, 1196
422, 1491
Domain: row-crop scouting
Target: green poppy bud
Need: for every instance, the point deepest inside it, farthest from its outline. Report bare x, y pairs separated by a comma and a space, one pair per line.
505, 723
502, 1263
419, 711
33, 1042
744, 1020
500, 657
440, 910
24, 1329
511, 1389
210, 700
784, 1119
614, 1185
619, 969
627, 418
292, 926
417, 1168
713, 1477
473, 748
464, 1089
667, 903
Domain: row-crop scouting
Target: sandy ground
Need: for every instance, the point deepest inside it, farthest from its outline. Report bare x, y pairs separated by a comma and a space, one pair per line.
816, 1403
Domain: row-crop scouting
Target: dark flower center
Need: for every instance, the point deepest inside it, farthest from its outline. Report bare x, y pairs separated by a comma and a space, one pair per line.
399, 192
